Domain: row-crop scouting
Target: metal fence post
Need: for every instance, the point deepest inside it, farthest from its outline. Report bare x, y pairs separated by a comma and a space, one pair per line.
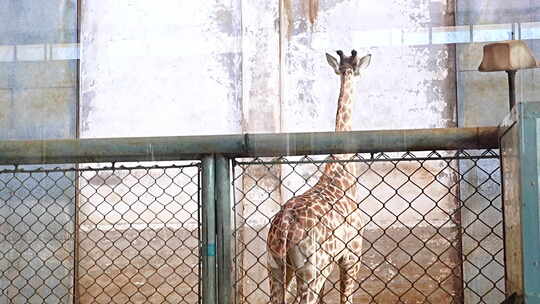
223, 222
520, 146
208, 254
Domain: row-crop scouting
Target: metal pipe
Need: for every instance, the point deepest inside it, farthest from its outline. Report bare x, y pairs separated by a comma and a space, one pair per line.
195, 147
208, 252
224, 230
60, 151
512, 88
372, 141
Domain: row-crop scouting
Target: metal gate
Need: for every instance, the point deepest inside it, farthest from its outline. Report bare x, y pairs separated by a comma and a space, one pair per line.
101, 233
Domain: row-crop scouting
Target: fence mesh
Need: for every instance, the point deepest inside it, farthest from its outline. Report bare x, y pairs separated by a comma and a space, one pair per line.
115, 234
37, 236
133, 237
433, 225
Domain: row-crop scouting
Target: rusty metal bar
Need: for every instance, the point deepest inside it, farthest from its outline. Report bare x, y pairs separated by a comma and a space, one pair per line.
195, 147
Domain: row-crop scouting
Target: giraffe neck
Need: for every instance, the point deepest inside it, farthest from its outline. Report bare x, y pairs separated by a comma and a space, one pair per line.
345, 103
343, 175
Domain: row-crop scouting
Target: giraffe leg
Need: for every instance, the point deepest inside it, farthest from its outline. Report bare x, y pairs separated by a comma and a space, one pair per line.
278, 288
349, 266
290, 295
311, 276
321, 292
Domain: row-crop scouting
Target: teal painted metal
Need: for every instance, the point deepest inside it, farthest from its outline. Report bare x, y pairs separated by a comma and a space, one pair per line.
195, 147
208, 252
524, 150
224, 229
530, 217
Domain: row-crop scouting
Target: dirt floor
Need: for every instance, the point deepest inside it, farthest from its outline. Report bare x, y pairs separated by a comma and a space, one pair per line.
406, 271
139, 266
162, 266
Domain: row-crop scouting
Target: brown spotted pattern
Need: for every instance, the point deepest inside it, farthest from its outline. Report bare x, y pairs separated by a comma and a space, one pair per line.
321, 227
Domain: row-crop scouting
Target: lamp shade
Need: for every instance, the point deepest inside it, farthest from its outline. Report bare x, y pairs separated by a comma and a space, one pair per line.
507, 56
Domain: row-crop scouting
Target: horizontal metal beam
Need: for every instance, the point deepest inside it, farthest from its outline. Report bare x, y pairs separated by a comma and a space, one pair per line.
95, 150
195, 147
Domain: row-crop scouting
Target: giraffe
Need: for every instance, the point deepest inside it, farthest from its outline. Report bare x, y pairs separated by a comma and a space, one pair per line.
323, 225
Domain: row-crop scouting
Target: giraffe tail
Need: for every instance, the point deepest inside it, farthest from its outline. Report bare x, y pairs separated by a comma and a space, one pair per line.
284, 261
284, 243
279, 254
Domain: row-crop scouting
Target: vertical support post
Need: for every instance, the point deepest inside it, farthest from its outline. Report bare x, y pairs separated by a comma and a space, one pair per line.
76, 238
223, 216
512, 88
520, 151
208, 252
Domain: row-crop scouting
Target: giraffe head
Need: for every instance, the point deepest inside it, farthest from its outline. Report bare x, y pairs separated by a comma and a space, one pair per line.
348, 65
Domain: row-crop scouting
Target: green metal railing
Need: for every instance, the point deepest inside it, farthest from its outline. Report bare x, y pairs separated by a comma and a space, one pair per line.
216, 154
247, 145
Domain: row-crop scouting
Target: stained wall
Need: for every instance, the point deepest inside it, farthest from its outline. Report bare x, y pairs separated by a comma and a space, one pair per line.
38, 100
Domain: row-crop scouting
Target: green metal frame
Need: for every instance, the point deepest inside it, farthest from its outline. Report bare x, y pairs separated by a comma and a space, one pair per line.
216, 230
224, 228
97, 150
208, 246
520, 145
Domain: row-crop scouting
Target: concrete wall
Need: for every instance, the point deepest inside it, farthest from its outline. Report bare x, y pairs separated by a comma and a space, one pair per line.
483, 97
38, 98
167, 69
37, 89
406, 86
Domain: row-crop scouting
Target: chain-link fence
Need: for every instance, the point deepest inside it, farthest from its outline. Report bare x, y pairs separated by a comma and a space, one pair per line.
132, 233
37, 230
100, 234
433, 228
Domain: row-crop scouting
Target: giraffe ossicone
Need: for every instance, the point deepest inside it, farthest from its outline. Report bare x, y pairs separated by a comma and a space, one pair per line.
322, 226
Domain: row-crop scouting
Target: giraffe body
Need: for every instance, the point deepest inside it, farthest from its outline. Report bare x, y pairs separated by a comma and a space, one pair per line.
321, 227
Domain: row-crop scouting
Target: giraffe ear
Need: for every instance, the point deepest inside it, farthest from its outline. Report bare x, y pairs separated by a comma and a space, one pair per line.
363, 62
333, 63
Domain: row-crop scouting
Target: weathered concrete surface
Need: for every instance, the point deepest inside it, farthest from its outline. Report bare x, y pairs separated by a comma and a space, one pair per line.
38, 97
404, 86
167, 69
24, 22
37, 101
478, 91
138, 198
261, 67
513, 210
